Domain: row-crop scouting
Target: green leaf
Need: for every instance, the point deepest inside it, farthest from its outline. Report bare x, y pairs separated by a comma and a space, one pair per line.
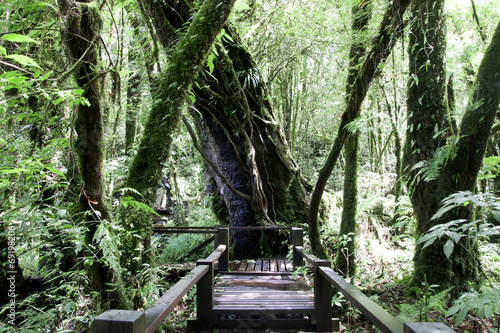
17, 170
210, 62
17, 80
45, 76
241, 5
57, 172
448, 248
429, 242
488, 310
79, 91
192, 97
17, 38
461, 315
454, 309
23, 60
68, 308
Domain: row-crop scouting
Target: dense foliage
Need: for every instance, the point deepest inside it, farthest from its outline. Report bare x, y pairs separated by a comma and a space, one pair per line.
71, 249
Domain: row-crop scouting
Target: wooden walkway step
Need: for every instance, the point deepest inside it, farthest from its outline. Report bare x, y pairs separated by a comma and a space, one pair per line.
276, 294
258, 301
275, 265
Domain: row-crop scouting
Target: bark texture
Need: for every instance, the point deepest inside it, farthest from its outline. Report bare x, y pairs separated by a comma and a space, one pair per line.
82, 41
346, 255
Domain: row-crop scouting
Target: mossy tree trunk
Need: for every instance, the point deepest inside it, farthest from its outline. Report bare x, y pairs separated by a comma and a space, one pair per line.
146, 168
133, 93
241, 135
390, 29
427, 111
457, 164
82, 41
346, 255
256, 177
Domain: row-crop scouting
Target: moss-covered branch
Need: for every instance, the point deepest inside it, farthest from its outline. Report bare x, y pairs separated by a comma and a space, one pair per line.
187, 59
146, 168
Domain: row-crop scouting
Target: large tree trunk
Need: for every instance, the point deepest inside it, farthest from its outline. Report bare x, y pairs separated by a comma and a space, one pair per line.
248, 147
390, 29
146, 169
427, 110
436, 170
246, 152
83, 27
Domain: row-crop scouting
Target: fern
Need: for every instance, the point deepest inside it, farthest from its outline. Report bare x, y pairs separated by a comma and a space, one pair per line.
103, 237
424, 306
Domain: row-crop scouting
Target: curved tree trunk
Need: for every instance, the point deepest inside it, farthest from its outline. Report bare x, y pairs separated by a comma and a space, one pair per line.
146, 168
257, 179
249, 146
390, 29
461, 161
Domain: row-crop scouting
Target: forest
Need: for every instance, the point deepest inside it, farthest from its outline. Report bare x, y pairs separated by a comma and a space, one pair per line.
374, 125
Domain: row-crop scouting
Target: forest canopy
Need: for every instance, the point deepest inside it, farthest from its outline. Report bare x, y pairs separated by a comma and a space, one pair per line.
371, 124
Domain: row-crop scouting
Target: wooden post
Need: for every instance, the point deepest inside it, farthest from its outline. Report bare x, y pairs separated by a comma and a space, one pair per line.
205, 298
323, 294
223, 239
426, 328
297, 239
120, 321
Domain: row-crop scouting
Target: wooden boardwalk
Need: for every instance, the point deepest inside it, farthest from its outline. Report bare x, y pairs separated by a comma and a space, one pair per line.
276, 294
261, 293
257, 295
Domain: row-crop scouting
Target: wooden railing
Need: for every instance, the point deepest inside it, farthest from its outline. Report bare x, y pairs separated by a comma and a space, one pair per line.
325, 278
124, 321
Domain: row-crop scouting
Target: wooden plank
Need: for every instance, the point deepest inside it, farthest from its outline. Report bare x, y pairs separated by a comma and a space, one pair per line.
245, 310
374, 312
234, 265
258, 265
281, 265
216, 254
273, 265
253, 325
309, 257
289, 266
238, 294
119, 321
265, 265
259, 228
243, 265
251, 265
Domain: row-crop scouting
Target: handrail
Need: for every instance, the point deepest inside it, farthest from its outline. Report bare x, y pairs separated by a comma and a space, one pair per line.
124, 321
371, 310
157, 312
308, 257
325, 278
